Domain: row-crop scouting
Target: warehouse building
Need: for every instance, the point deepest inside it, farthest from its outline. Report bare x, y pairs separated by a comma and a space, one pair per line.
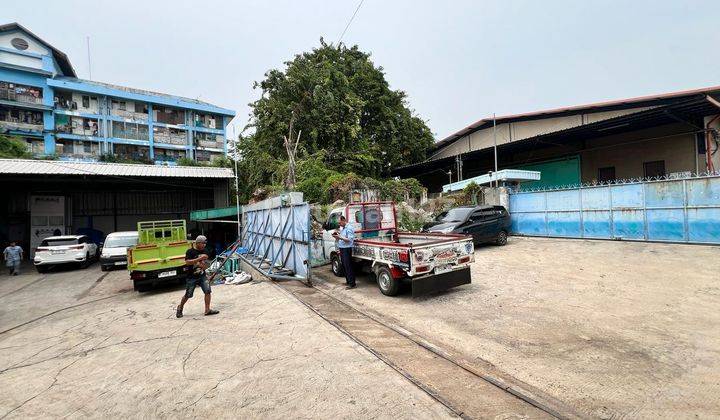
672, 134
44, 103
43, 198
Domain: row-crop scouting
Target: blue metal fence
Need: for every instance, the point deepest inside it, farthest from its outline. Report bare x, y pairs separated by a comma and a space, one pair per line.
671, 210
276, 237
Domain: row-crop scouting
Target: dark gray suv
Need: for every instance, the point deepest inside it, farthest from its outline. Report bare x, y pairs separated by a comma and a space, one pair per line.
483, 223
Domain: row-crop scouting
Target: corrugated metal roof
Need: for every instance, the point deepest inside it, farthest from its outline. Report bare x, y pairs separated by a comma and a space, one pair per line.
597, 106
55, 167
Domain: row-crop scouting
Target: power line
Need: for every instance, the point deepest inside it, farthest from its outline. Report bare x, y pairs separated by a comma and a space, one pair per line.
349, 22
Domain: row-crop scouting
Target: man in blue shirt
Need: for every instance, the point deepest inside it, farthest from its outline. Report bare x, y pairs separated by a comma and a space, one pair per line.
345, 238
13, 257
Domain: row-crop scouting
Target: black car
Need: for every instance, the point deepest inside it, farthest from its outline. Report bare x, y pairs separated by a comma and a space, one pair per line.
484, 223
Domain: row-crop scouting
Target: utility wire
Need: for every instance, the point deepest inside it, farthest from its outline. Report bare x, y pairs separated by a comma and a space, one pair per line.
349, 22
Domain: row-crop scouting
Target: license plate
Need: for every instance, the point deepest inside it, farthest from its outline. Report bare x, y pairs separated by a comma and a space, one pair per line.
120, 262
445, 261
166, 274
57, 251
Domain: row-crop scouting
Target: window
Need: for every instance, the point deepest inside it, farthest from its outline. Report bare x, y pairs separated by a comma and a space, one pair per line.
60, 242
122, 106
141, 108
654, 168
86, 101
87, 148
606, 174
19, 43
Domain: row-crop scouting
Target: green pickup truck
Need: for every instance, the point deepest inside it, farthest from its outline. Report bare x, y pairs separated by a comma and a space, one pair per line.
159, 256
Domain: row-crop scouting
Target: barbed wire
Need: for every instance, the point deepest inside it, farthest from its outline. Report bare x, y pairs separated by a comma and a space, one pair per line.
625, 181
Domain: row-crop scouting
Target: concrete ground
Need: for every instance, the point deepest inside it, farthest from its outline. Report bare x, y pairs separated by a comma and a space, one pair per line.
81, 343
614, 329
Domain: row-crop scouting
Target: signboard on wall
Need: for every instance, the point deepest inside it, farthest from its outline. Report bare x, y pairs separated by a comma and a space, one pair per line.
47, 218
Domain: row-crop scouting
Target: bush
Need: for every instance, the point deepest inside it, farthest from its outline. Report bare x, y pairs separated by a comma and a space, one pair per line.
409, 222
13, 148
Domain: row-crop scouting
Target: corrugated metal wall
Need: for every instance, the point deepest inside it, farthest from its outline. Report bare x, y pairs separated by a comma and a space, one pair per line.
673, 210
140, 202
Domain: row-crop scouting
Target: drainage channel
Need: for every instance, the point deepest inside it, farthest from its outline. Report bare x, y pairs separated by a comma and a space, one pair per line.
465, 392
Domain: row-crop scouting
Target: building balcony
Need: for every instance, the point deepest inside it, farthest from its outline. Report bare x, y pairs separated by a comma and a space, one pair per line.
205, 144
20, 93
19, 126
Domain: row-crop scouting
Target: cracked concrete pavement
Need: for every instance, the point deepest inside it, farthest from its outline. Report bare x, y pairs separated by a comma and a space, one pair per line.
265, 355
613, 329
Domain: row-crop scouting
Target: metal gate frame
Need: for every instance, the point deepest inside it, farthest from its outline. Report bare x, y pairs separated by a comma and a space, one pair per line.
276, 237
662, 209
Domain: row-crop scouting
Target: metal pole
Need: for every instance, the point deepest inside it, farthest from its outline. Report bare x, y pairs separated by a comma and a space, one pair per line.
88, 51
495, 147
237, 191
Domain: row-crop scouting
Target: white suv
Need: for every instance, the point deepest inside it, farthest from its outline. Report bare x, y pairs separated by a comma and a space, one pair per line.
64, 250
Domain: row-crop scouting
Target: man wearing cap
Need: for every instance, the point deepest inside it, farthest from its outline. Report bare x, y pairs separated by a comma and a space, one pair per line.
197, 257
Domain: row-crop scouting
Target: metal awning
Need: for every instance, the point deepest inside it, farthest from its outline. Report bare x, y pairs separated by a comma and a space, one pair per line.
59, 167
215, 215
509, 175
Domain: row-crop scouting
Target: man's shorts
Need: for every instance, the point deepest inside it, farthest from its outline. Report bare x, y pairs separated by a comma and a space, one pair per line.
191, 282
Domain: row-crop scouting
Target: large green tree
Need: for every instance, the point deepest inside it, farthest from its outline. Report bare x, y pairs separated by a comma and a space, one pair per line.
344, 111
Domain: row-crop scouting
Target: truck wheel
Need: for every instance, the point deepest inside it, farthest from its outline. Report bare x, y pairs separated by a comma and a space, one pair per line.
501, 238
388, 285
336, 265
140, 288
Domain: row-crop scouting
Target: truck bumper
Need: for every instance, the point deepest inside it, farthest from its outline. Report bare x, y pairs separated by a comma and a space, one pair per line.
438, 282
152, 279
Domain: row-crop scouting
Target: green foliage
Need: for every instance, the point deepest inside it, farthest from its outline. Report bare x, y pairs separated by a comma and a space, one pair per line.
470, 193
222, 162
13, 148
185, 161
409, 222
52, 156
350, 121
111, 158
401, 190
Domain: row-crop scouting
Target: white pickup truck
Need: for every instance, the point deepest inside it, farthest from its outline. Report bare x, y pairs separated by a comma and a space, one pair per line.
429, 261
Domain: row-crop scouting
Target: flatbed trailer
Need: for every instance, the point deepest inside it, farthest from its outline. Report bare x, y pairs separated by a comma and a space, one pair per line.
430, 262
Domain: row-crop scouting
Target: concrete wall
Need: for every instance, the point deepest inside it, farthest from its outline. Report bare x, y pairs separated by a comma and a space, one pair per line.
678, 152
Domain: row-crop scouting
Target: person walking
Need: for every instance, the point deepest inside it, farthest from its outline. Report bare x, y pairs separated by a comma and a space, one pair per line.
197, 257
13, 255
345, 238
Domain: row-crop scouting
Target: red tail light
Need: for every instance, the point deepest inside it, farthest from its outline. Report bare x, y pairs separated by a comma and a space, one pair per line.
422, 268
463, 260
135, 275
404, 256
77, 247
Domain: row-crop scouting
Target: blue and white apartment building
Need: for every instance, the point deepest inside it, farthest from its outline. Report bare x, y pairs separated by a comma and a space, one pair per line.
43, 102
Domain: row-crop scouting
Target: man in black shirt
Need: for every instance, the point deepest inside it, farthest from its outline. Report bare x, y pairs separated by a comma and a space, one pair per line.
197, 257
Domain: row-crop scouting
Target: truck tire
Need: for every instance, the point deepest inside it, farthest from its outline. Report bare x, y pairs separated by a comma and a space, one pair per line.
141, 288
501, 238
387, 284
336, 265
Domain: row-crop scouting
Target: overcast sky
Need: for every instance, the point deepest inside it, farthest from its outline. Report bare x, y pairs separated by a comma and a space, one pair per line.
458, 61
